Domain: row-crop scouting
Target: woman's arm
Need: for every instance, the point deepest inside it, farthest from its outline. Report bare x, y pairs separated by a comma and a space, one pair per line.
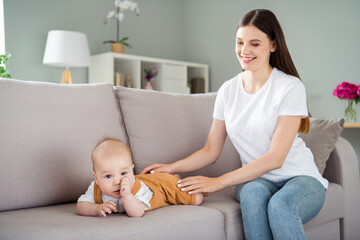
283, 138
201, 158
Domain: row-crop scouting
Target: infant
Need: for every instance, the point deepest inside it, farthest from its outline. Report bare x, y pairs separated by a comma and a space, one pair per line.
116, 189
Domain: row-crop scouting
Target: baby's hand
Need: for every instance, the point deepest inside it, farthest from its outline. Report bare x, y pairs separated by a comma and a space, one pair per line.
126, 185
107, 207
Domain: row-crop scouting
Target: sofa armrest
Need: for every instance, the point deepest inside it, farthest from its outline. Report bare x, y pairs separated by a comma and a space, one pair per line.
343, 168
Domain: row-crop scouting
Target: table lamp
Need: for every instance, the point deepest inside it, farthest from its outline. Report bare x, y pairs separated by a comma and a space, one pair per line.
66, 49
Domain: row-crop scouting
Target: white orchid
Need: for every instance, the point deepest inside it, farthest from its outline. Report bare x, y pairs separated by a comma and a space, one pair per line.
117, 3
121, 6
118, 16
126, 4
134, 7
121, 16
110, 15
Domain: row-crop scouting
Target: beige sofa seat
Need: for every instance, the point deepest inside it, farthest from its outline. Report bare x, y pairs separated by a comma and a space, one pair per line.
60, 222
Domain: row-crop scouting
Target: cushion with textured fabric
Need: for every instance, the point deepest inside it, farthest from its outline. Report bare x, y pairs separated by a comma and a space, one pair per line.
165, 127
47, 134
60, 222
321, 139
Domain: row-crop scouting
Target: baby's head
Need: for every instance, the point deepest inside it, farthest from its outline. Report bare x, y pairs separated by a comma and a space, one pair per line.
112, 161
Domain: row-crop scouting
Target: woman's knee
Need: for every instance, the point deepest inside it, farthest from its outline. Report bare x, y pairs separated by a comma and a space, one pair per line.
253, 193
296, 200
279, 205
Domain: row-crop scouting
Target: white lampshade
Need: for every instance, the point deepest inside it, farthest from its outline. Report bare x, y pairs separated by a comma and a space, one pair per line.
66, 49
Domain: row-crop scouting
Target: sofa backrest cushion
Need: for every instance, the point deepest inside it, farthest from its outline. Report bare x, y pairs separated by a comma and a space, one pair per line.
47, 134
321, 139
165, 127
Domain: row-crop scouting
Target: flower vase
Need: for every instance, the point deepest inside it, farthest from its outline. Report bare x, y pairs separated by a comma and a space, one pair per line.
148, 86
350, 112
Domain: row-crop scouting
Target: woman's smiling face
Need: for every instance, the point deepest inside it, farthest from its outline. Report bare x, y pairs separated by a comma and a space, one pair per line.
253, 48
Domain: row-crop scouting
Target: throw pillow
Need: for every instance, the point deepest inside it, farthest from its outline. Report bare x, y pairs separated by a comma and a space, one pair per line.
321, 139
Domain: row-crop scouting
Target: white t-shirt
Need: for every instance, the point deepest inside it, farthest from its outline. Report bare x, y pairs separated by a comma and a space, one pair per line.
144, 195
250, 121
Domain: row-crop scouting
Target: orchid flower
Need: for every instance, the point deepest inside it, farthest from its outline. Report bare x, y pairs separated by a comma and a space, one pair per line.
118, 16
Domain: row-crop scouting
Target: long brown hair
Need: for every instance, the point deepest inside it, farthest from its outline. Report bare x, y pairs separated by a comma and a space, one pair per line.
267, 22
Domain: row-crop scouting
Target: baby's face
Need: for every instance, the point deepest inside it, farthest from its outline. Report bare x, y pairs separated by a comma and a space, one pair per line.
110, 170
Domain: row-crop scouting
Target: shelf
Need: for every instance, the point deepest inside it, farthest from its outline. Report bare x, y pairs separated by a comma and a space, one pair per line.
352, 125
173, 76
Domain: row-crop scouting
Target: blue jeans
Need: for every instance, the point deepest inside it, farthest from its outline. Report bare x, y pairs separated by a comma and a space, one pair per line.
278, 210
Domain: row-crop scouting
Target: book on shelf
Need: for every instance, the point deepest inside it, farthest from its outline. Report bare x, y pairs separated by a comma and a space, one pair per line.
119, 79
197, 85
123, 80
127, 81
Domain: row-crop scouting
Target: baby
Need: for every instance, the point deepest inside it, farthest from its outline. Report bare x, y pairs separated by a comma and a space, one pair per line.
116, 189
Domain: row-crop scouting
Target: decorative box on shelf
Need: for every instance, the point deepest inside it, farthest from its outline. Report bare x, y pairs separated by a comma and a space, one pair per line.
172, 76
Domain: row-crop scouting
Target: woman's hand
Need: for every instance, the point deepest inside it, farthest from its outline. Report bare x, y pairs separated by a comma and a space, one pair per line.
156, 168
200, 184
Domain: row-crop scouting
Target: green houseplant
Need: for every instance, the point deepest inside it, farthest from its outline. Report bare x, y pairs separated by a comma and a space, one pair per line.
4, 59
118, 15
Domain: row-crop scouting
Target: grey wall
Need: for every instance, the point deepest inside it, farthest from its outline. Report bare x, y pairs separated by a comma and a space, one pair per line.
322, 36
157, 32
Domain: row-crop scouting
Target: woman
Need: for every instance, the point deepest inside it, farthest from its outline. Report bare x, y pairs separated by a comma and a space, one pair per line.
262, 110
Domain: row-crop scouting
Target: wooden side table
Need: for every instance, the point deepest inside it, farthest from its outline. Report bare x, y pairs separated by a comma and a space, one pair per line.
352, 125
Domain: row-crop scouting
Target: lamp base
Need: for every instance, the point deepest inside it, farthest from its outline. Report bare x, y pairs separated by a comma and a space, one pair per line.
66, 77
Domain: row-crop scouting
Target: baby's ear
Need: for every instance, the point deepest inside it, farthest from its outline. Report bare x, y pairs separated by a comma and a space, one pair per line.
132, 166
94, 174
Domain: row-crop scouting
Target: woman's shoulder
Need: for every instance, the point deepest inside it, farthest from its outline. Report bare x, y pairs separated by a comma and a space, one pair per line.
286, 80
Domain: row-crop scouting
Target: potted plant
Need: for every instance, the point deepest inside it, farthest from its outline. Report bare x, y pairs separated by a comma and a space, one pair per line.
150, 74
4, 59
118, 15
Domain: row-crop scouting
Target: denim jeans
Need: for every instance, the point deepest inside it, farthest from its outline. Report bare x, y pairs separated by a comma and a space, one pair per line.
278, 210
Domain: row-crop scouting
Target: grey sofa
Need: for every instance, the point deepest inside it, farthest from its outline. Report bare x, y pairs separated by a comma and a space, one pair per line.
47, 132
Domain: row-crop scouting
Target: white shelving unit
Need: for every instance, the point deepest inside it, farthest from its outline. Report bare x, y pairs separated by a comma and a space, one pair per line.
172, 76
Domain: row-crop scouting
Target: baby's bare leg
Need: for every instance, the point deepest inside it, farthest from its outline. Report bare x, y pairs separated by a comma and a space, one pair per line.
198, 198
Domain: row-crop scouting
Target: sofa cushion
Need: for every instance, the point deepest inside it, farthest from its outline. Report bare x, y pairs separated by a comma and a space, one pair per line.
333, 208
321, 139
165, 127
225, 202
60, 222
47, 135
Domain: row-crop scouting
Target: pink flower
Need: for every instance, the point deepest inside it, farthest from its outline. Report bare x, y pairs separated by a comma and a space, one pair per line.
346, 90
358, 91
150, 74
